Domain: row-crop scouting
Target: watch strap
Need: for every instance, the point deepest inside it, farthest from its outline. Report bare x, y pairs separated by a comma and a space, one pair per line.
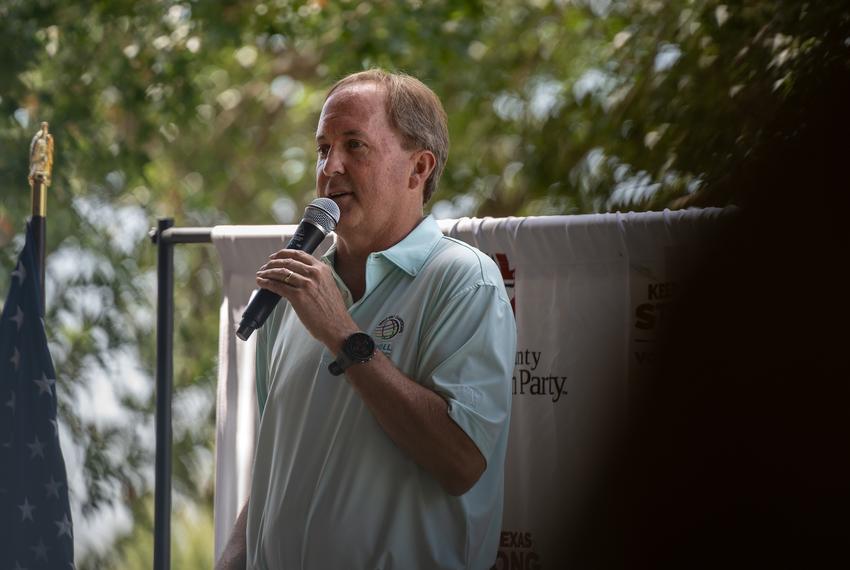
349, 354
339, 365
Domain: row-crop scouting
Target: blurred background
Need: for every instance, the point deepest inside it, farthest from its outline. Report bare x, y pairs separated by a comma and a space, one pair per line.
206, 112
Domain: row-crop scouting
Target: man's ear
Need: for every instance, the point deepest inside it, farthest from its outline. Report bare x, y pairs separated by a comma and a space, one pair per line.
424, 162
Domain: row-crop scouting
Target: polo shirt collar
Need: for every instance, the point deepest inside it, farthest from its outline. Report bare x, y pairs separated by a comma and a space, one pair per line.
412, 251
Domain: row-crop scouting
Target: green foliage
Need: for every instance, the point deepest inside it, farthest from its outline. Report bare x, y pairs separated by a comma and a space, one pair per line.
205, 112
191, 546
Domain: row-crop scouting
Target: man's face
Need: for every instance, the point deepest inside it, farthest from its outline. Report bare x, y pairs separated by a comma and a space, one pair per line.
361, 163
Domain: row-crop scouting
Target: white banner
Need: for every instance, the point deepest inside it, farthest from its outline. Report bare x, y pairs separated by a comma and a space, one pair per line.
589, 293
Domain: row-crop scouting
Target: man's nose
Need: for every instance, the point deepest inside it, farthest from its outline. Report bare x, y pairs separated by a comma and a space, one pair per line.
333, 163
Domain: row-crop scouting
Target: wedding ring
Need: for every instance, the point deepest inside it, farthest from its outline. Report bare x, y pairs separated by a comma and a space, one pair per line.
288, 275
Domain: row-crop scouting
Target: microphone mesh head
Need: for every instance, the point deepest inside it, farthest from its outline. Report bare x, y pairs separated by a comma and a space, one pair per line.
324, 213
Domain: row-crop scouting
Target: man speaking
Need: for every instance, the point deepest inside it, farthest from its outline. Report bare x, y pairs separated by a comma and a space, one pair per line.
384, 382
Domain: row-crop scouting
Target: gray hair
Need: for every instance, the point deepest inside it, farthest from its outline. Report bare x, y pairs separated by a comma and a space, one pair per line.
415, 112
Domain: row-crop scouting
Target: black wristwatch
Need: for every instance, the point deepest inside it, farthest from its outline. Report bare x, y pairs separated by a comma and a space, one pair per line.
357, 348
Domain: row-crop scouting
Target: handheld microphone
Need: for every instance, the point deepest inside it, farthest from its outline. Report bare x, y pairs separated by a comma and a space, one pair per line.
320, 218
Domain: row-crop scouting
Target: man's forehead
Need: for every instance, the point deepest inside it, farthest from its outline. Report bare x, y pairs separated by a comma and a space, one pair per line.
353, 132
358, 102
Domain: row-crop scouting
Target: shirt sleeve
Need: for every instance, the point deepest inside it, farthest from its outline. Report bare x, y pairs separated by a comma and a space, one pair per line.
467, 356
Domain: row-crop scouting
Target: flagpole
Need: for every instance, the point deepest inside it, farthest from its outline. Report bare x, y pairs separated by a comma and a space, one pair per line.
41, 167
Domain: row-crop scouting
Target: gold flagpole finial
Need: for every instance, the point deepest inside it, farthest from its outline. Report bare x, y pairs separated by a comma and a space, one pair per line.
41, 167
41, 156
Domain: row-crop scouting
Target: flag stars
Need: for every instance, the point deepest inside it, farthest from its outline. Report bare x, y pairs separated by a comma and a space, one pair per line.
40, 550
53, 487
44, 384
19, 318
33, 483
16, 358
26, 510
20, 272
64, 526
36, 449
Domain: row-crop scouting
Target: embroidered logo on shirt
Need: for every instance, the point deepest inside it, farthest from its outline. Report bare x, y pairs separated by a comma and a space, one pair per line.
389, 327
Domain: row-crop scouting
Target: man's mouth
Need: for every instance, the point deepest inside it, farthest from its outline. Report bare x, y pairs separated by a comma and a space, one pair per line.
337, 194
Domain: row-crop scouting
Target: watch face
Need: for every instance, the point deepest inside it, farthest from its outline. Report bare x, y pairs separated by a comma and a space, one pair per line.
360, 346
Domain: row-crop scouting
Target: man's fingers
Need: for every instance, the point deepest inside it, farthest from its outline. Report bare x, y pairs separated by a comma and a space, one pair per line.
289, 276
288, 263
283, 275
273, 286
285, 290
301, 256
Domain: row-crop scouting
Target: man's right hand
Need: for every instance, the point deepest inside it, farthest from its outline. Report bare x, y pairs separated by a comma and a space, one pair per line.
309, 286
235, 553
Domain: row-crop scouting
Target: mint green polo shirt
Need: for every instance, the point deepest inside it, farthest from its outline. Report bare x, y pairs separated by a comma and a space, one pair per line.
330, 489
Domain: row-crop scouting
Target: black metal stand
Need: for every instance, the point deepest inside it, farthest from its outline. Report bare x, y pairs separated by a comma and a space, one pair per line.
165, 236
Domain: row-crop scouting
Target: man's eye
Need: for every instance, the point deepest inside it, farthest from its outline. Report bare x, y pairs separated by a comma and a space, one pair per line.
354, 144
322, 150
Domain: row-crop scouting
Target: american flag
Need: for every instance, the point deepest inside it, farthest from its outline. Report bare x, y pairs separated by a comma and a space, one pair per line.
35, 518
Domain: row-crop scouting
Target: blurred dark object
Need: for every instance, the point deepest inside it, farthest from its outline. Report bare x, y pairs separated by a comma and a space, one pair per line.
737, 453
